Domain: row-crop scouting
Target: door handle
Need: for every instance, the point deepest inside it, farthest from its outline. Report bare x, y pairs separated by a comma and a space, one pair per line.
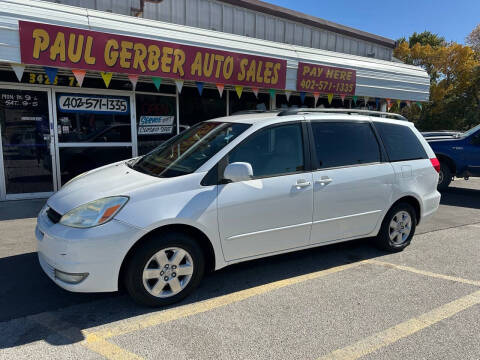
301, 183
324, 180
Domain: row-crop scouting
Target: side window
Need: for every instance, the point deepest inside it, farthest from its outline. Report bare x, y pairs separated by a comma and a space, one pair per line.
344, 144
400, 142
272, 151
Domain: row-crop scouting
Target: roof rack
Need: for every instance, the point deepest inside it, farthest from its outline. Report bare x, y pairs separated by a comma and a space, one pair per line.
343, 111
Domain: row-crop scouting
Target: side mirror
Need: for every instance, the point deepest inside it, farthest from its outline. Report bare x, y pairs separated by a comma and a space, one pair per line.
238, 171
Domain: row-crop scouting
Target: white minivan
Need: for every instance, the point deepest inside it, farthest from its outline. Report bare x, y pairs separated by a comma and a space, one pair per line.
235, 189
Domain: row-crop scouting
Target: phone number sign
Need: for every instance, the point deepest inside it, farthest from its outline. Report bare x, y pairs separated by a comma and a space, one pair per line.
326, 79
95, 104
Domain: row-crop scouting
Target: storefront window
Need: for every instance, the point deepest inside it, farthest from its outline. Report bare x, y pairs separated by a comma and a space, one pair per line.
77, 160
93, 118
195, 108
156, 120
294, 102
248, 101
25, 131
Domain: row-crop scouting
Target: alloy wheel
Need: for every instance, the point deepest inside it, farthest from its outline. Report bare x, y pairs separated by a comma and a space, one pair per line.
400, 227
168, 272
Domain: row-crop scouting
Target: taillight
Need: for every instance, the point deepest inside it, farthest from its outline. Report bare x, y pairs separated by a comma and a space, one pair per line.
435, 164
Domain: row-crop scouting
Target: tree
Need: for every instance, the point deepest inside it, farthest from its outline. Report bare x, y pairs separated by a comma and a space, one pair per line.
473, 39
454, 82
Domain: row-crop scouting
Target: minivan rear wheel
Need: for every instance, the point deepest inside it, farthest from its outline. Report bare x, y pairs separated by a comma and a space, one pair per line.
164, 269
398, 228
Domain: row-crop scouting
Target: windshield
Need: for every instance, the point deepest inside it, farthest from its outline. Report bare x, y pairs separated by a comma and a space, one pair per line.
471, 131
186, 152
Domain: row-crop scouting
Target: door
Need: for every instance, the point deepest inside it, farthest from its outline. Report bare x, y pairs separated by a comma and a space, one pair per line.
352, 187
273, 211
472, 153
26, 133
92, 130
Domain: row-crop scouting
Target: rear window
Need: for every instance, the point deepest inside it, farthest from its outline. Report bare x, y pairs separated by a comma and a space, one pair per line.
400, 142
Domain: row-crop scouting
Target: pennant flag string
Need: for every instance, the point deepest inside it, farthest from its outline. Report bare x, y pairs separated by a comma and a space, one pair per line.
179, 84
79, 76
220, 88
355, 99
398, 104
316, 96
409, 103
330, 98
239, 90
18, 69
377, 102
51, 73
342, 96
287, 94
366, 98
272, 93
107, 77
419, 105
255, 91
302, 96
157, 81
133, 79
200, 87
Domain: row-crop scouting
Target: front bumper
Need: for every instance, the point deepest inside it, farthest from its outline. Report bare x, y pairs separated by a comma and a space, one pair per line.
98, 251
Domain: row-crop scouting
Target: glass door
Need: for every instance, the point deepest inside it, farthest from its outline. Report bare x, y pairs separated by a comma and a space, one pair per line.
26, 164
92, 129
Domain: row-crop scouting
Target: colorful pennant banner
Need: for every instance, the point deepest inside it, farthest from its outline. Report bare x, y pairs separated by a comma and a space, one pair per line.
51, 73
330, 98
342, 96
179, 84
157, 81
79, 76
316, 95
220, 88
239, 90
107, 77
18, 69
287, 94
200, 87
355, 99
134, 80
302, 96
255, 91
272, 93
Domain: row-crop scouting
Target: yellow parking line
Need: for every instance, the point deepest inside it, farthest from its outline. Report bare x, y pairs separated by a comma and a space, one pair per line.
157, 318
402, 330
423, 272
107, 349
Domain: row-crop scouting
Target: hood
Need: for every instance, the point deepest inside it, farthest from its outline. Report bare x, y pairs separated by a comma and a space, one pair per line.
111, 180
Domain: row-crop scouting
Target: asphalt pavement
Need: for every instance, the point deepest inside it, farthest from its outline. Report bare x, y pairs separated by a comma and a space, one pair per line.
344, 301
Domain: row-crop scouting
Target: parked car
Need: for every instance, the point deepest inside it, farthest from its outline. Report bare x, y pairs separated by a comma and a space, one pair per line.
440, 134
233, 189
459, 156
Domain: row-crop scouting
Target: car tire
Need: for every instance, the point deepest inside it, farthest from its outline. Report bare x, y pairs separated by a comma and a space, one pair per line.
150, 276
398, 228
444, 176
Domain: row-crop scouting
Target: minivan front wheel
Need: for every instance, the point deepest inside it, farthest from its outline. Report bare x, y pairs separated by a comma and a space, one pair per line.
398, 228
164, 269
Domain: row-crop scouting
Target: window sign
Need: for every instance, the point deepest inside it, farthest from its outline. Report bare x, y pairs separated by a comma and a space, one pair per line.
150, 125
95, 104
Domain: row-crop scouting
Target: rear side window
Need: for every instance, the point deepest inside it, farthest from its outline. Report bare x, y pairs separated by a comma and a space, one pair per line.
344, 144
400, 142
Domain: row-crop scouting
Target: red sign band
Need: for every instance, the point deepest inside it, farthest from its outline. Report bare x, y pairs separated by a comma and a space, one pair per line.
326, 79
57, 46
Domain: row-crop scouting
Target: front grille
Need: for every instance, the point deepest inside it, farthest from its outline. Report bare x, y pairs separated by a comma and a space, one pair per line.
53, 215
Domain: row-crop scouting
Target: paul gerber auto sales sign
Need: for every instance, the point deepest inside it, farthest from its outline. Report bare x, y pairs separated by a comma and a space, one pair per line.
57, 46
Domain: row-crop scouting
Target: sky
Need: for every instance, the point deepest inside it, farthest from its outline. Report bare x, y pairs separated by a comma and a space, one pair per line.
453, 20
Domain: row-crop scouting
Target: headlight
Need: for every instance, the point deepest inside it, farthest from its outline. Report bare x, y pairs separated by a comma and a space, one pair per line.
94, 213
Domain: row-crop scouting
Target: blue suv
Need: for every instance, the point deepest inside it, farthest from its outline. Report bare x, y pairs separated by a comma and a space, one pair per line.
459, 155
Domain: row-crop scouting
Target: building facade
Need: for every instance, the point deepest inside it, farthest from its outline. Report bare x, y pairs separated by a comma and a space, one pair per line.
81, 88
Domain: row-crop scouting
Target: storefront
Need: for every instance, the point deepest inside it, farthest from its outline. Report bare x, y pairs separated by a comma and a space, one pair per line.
100, 89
